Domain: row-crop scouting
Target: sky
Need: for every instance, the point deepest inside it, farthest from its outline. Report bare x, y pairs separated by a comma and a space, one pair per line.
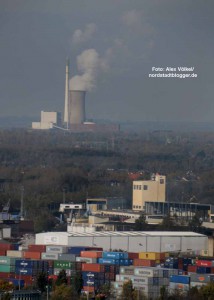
113, 47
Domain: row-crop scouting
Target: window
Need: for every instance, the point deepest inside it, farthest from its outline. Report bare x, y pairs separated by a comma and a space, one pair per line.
139, 187
145, 187
161, 181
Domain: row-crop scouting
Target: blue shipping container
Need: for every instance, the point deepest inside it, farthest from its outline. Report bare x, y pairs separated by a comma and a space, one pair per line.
16, 282
180, 279
115, 255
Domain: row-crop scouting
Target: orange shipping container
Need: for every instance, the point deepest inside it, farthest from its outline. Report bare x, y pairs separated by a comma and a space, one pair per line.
144, 262
89, 289
32, 255
91, 254
93, 267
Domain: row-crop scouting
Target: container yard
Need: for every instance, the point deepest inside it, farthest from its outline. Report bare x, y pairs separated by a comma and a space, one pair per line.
148, 271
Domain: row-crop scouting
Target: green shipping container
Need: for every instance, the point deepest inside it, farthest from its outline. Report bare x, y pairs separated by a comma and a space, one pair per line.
4, 260
7, 268
61, 264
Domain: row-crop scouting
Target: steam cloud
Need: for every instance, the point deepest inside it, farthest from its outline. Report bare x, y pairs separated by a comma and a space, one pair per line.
90, 65
82, 36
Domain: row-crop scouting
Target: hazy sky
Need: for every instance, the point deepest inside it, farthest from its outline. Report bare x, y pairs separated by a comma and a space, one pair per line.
113, 44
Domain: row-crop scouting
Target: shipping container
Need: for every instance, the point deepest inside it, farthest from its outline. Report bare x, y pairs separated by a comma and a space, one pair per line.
93, 267
204, 263
144, 262
133, 255
91, 254
192, 269
37, 248
32, 255
150, 255
56, 249
49, 256
203, 270
4, 260
7, 268
26, 263
115, 255
15, 253
179, 286
60, 264
86, 260
127, 270
3, 252
202, 277
65, 256
4, 246
16, 282
149, 272
180, 279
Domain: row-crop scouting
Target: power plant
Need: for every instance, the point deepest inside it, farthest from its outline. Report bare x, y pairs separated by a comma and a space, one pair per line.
74, 114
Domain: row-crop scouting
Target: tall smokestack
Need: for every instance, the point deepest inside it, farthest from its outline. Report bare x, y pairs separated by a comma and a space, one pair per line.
66, 117
76, 106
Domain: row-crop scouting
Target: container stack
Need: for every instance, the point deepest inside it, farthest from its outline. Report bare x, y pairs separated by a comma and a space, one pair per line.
179, 282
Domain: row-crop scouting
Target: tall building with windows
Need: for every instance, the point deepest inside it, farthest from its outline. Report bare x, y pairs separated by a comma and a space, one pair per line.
148, 190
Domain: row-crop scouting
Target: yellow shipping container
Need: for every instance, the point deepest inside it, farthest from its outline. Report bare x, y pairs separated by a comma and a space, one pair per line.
149, 255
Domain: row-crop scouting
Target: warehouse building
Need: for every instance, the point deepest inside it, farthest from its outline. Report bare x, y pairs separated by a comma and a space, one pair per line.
132, 241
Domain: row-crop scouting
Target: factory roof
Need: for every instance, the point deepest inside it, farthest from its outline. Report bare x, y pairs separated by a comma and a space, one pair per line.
127, 233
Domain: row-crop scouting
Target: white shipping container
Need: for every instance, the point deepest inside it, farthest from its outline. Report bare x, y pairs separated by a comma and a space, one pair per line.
197, 284
88, 260
15, 253
67, 271
127, 270
56, 249
179, 286
51, 256
123, 277
149, 272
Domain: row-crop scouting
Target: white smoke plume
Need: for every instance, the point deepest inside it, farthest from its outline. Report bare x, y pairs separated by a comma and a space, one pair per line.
82, 36
90, 64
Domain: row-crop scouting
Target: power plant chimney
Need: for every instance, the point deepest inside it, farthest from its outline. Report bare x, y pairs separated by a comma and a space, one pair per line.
66, 117
76, 107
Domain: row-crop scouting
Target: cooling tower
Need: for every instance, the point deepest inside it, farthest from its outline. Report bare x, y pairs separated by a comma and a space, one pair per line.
76, 107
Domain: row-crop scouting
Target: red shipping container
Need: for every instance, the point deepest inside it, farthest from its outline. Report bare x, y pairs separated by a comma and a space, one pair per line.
7, 247
204, 263
91, 254
3, 252
6, 275
192, 269
93, 267
37, 248
144, 262
32, 255
133, 255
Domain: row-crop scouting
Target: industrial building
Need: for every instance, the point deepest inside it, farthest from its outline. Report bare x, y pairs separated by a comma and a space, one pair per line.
148, 190
49, 120
74, 119
133, 241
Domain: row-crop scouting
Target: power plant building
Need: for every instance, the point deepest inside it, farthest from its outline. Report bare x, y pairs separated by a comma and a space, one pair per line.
76, 107
153, 190
49, 119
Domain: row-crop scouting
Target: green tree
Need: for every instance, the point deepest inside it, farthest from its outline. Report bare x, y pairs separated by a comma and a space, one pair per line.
128, 291
167, 223
61, 278
42, 281
207, 291
140, 223
64, 292
195, 223
77, 282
